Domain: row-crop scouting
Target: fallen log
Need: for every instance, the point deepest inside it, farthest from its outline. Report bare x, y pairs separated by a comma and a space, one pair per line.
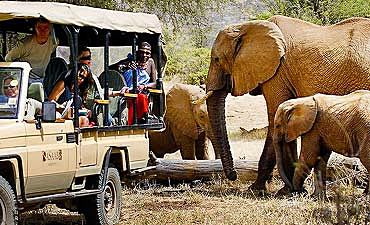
190, 170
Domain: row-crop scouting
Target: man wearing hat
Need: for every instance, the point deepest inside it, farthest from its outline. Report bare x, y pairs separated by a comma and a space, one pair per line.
143, 61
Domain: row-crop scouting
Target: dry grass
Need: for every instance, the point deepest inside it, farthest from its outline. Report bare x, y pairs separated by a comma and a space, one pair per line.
222, 202
248, 135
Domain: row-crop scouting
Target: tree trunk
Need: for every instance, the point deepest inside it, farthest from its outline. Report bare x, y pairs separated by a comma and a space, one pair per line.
190, 170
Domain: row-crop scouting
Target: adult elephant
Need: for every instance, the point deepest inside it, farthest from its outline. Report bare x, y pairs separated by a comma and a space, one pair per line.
187, 124
285, 58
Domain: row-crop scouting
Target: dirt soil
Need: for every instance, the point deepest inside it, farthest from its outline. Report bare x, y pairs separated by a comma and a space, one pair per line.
246, 113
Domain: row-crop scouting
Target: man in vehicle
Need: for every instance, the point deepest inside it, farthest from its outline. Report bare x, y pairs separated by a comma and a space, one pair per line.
11, 91
144, 61
36, 49
146, 77
10, 87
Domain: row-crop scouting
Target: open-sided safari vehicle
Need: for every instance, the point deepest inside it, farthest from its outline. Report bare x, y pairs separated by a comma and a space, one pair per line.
45, 159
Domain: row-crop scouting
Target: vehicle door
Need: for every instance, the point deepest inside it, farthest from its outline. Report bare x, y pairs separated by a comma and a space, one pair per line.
52, 154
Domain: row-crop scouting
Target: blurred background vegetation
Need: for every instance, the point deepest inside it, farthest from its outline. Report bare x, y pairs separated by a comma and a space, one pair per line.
190, 27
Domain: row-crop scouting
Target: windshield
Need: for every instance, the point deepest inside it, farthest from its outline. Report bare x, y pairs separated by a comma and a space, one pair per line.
10, 82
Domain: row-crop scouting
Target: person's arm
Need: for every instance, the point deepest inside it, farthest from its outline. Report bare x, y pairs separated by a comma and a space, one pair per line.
15, 54
57, 91
153, 70
20, 51
153, 74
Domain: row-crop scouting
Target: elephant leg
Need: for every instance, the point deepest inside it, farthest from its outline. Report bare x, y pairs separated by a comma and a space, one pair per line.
265, 165
201, 147
187, 148
273, 96
309, 157
320, 174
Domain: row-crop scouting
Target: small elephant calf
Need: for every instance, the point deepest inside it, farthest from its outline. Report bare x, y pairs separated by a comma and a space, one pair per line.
187, 124
325, 123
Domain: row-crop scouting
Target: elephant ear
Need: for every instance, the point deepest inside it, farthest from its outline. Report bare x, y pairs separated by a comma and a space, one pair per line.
258, 51
180, 109
300, 117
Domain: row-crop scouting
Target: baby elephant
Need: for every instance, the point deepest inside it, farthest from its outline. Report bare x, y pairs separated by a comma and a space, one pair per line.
325, 123
187, 124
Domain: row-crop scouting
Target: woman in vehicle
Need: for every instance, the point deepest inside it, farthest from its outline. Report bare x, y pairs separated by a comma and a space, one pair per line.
64, 89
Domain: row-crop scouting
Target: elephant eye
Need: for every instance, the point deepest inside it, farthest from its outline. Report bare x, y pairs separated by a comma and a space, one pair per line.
217, 59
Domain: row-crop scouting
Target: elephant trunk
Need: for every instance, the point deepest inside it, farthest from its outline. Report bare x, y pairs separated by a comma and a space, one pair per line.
220, 141
210, 135
280, 147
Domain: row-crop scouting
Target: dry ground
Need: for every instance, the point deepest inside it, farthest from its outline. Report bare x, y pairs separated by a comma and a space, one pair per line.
221, 202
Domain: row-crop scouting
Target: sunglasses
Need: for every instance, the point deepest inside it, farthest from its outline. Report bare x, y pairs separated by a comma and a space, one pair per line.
8, 86
88, 57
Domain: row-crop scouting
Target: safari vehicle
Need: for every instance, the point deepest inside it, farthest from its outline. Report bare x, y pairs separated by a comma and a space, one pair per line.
49, 160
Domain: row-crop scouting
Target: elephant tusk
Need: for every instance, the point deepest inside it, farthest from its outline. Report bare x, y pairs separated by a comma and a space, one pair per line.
202, 100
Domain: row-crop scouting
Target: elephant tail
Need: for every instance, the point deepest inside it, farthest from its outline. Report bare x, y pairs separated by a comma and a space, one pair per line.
280, 147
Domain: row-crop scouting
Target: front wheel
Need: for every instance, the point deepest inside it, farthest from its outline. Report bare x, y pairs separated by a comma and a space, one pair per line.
8, 209
105, 208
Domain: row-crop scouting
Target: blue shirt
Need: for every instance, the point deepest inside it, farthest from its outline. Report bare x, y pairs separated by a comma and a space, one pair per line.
142, 77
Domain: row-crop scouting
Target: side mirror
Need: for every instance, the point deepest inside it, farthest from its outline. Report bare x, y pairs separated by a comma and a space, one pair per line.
49, 111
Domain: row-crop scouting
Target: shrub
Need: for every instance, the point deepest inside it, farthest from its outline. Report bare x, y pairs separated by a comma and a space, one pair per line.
186, 62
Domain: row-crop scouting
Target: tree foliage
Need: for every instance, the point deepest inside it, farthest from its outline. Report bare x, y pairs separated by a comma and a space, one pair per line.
105, 4
177, 16
186, 25
186, 63
318, 11
177, 13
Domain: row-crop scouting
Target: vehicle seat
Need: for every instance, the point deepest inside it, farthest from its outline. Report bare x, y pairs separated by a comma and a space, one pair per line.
117, 105
36, 91
56, 67
115, 80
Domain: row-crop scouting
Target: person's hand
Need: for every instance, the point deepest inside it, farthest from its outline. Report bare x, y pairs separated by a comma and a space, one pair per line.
141, 87
57, 105
89, 113
132, 65
124, 90
127, 65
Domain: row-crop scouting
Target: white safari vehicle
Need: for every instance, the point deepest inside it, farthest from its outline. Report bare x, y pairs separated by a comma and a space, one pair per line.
48, 160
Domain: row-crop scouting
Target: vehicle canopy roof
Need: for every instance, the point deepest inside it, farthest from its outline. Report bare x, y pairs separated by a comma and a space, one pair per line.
68, 14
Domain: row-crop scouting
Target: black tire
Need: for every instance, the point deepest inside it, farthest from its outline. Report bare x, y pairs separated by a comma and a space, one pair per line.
8, 208
104, 208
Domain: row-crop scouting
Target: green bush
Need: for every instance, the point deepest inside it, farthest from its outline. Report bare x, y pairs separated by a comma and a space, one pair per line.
321, 12
187, 63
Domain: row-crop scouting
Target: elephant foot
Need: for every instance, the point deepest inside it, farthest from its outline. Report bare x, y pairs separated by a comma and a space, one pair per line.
284, 191
258, 190
287, 191
231, 175
257, 186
